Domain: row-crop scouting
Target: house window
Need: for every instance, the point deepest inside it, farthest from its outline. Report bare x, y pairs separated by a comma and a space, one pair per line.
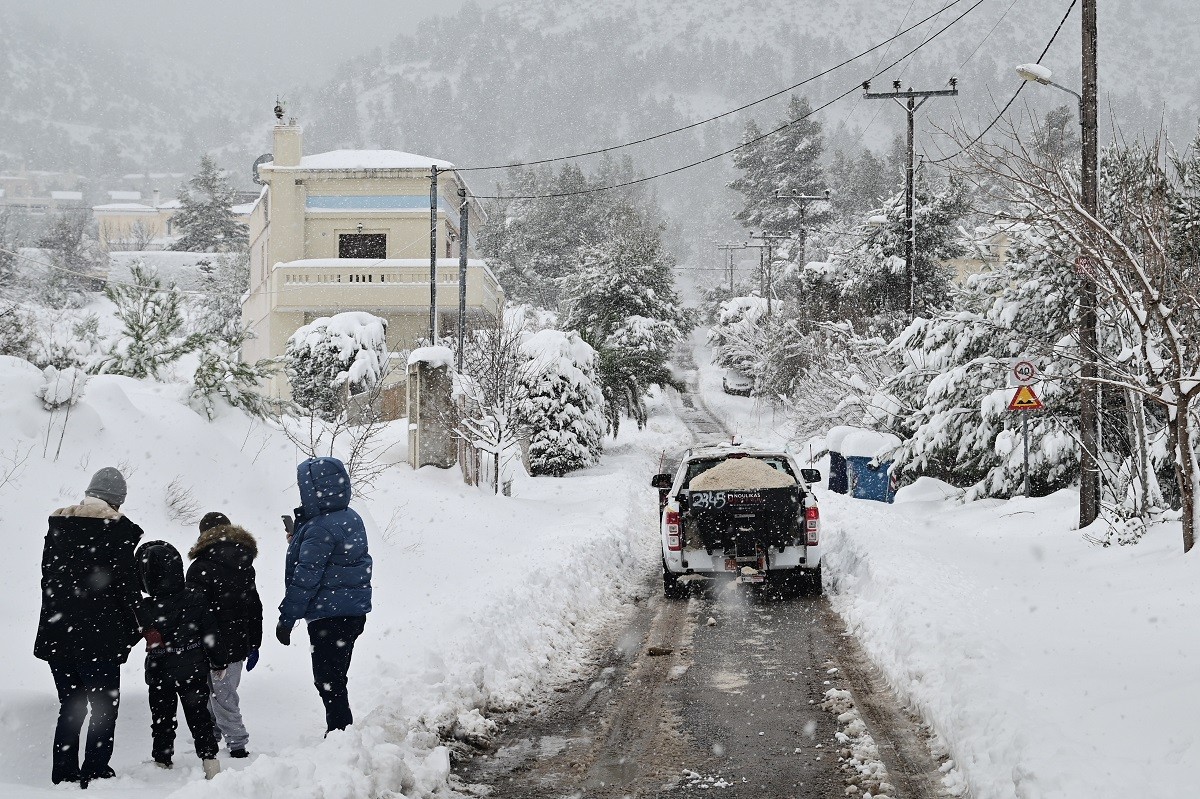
362, 245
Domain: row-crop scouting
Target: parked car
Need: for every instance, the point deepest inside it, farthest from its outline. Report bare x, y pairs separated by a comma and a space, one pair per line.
757, 533
734, 382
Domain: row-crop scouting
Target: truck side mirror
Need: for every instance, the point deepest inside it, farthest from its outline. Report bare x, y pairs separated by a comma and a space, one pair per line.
661, 481
810, 476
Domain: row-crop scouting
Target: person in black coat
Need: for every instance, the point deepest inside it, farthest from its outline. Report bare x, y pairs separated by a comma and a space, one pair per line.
88, 622
182, 646
223, 567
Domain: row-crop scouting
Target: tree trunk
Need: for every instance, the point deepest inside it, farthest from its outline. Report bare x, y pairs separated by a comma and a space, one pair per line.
1186, 472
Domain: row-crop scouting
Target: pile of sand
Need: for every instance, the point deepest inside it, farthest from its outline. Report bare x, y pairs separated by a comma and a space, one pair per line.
741, 474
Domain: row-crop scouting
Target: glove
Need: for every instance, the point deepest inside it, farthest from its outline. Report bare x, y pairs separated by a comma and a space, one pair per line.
154, 639
252, 658
219, 674
283, 634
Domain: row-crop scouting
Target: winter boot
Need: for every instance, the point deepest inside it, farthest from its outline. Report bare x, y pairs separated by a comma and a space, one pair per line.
239, 753
163, 762
212, 768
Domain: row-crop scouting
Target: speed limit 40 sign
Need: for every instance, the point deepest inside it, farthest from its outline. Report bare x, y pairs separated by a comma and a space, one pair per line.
1023, 371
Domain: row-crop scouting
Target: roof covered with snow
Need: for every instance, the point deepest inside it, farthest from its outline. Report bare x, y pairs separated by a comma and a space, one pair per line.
124, 196
66, 195
139, 207
369, 159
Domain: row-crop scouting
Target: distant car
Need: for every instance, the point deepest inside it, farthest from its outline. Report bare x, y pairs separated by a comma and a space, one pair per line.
770, 535
735, 382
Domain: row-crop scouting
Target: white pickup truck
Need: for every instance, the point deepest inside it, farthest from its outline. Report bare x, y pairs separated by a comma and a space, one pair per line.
769, 535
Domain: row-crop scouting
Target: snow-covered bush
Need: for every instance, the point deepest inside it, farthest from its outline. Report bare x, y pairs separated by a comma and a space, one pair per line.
16, 333
152, 335
62, 386
334, 357
559, 401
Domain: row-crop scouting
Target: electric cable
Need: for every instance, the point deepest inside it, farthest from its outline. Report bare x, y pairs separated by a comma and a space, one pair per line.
1012, 99
742, 146
723, 114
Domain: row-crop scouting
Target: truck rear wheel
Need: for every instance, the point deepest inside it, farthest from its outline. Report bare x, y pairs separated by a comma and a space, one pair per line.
812, 582
672, 588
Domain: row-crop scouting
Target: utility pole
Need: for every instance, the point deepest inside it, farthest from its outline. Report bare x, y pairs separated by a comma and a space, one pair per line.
433, 210
1089, 438
462, 269
766, 269
729, 247
804, 200
910, 105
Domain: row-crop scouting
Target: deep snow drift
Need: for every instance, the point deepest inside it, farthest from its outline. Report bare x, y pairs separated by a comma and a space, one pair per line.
478, 599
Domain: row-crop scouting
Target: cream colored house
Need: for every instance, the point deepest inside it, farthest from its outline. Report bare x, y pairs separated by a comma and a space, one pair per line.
349, 230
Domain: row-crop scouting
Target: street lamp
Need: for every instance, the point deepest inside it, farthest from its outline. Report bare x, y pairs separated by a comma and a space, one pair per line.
1089, 436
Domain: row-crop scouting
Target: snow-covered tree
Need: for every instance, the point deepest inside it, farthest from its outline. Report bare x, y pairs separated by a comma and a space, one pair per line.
222, 373
77, 263
205, 214
224, 280
866, 276
559, 402
631, 360
788, 162
334, 357
152, 334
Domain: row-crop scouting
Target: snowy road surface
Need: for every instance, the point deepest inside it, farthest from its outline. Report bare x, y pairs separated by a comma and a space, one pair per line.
722, 693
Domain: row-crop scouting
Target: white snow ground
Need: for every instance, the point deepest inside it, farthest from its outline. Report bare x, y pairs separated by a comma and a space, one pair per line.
479, 600
1050, 668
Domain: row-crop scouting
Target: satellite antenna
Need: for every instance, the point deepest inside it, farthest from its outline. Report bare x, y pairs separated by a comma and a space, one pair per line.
265, 158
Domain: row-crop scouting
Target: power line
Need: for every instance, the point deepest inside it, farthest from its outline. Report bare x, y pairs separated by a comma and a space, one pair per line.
736, 148
1012, 99
723, 114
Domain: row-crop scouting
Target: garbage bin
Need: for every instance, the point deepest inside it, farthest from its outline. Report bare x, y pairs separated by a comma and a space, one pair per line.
869, 465
838, 479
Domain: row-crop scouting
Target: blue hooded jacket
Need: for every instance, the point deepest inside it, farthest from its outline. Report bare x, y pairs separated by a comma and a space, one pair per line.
328, 570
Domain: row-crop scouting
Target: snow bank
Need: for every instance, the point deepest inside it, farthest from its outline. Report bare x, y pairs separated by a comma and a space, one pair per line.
434, 357
479, 600
1051, 668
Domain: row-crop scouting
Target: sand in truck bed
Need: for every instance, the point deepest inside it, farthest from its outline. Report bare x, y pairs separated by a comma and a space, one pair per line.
741, 474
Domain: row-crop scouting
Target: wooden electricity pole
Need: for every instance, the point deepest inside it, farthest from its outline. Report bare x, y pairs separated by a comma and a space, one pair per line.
1089, 437
910, 105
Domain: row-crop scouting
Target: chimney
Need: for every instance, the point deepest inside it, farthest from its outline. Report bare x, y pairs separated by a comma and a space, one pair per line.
157, 198
287, 144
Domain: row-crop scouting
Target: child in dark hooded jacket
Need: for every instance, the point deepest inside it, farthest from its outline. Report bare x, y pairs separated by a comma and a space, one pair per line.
181, 639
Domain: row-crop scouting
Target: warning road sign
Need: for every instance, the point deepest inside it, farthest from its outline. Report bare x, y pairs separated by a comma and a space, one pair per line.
1025, 400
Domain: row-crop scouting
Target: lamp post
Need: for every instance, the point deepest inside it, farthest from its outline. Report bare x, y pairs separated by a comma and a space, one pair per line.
1089, 436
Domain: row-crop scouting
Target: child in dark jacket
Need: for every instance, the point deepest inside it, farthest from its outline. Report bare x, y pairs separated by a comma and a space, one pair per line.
181, 638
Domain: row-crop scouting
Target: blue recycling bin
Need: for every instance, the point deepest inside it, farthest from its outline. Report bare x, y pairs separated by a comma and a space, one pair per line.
869, 482
838, 479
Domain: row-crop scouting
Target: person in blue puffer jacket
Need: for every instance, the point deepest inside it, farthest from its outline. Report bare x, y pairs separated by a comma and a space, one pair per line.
328, 578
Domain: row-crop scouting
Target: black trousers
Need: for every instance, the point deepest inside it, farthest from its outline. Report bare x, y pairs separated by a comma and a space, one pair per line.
82, 685
171, 683
332, 642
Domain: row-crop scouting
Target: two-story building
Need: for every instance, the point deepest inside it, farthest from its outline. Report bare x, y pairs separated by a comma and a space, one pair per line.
350, 230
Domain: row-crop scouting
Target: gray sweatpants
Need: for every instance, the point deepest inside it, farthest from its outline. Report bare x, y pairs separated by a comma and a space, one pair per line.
223, 702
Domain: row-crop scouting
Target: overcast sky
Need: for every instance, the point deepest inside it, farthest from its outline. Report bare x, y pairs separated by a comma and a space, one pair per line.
289, 42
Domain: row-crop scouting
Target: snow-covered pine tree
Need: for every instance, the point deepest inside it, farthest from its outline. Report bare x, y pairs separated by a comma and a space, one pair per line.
559, 402
222, 373
788, 162
332, 358
866, 279
205, 213
622, 301
951, 393
152, 326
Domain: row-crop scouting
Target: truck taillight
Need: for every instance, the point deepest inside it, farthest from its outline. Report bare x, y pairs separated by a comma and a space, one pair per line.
674, 542
812, 526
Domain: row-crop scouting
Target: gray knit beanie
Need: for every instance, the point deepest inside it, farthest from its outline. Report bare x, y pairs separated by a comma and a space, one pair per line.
108, 485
